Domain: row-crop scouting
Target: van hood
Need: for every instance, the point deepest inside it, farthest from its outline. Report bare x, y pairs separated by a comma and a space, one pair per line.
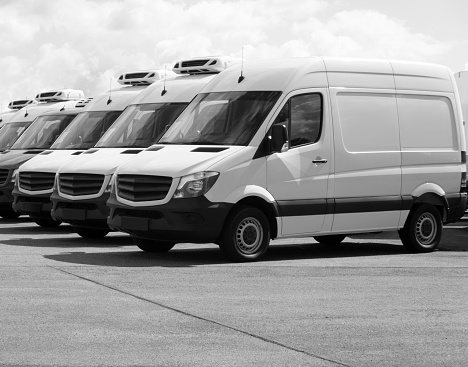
103, 161
12, 159
176, 160
50, 160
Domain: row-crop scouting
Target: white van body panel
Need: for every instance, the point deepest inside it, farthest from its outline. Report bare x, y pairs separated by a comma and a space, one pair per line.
169, 162
102, 161
365, 167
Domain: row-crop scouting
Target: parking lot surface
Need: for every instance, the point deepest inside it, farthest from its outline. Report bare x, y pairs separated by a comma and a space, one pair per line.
65, 300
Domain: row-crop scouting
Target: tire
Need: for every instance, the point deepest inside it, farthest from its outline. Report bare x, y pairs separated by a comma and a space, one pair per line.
246, 235
331, 239
86, 232
422, 230
46, 223
9, 214
153, 245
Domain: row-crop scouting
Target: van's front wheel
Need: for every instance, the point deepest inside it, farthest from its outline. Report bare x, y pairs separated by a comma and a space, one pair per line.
246, 235
422, 230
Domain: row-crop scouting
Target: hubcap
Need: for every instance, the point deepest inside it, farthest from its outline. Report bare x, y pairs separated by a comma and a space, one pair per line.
426, 229
249, 235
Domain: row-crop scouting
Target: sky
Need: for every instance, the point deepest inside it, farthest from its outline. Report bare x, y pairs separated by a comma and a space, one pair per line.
87, 44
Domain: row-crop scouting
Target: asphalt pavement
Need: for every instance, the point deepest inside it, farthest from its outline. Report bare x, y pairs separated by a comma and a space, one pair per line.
69, 301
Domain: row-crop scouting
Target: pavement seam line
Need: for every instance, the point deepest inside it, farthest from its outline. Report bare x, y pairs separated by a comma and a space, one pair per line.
270, 341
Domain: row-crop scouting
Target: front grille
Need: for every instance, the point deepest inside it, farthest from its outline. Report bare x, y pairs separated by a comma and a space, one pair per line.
191, 63
76, 184
143, 188
3, 176
135, 75
36, 181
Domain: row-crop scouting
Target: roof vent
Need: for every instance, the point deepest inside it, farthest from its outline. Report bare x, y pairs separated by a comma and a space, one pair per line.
60, 95
20, 103
83, 102
145, 77
204, 65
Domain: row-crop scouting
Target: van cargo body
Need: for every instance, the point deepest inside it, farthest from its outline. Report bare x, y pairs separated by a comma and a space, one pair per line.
320, 147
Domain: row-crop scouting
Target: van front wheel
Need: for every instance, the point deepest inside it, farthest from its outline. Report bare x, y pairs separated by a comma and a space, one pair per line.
422, 230
246, 235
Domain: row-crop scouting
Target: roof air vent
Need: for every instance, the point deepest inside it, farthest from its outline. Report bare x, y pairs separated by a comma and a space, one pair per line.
83, 102
60, 95
204, 65
141, 77
20, 103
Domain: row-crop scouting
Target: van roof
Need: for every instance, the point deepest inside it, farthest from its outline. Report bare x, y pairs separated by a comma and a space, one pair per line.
33, 111
120, 98
298, 73
179, 89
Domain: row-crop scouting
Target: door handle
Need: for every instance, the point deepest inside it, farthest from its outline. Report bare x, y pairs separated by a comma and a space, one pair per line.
319, 160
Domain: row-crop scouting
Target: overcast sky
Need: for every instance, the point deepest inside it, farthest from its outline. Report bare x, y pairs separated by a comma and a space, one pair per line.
83, 44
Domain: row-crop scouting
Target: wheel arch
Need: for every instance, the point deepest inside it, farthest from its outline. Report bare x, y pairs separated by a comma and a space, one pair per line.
437, 200
268, 208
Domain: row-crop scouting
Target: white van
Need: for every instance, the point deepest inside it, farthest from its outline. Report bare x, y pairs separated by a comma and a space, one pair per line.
319, 147
32, 129
81, 192
36, 177
14, 107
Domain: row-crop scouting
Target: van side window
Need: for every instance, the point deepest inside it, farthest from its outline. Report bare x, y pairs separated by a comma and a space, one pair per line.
302, 115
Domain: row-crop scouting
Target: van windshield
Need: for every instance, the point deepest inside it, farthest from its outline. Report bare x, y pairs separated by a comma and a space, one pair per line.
222, 118
11, 132
86, 130
43, 132
141, 126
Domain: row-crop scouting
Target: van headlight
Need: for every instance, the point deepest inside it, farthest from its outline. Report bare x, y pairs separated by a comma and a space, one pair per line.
195, 185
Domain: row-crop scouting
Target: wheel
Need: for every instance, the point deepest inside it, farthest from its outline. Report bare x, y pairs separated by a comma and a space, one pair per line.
47, 223
246, 235
9, 214
331, 239
152, 245
86, 232
422, 230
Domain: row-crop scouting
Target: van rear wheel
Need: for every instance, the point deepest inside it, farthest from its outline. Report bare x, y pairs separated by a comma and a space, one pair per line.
246, 235
422, 230
332, 239
153, 245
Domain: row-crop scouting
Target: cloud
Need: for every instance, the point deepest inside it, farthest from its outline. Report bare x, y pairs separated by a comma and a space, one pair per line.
82, 43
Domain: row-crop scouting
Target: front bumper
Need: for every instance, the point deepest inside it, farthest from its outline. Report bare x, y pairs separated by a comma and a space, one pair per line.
91, 213
6, 196
36, 206
195, 220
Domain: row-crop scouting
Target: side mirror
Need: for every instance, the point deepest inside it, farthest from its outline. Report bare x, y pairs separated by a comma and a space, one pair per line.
278, 138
